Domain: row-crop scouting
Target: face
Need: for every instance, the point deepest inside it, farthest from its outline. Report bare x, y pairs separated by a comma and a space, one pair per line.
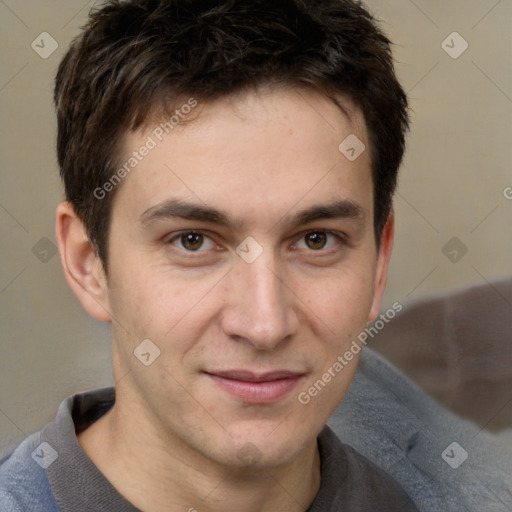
242, 246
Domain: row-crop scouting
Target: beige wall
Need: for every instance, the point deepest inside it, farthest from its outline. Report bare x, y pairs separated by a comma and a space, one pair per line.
453, 180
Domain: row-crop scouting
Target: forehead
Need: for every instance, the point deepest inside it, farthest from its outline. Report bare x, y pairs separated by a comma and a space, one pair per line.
259, 152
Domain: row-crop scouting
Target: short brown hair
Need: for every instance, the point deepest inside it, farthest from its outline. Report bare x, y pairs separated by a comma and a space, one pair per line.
136, 56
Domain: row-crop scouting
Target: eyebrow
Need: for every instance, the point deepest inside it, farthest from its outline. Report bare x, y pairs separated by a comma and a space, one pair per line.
176, 208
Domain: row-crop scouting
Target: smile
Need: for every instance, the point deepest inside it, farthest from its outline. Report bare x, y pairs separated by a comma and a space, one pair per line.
254, 388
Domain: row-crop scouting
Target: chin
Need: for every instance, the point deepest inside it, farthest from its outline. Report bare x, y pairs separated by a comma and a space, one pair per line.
260, 447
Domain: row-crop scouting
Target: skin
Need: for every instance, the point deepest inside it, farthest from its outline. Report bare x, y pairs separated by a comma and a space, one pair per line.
174, 437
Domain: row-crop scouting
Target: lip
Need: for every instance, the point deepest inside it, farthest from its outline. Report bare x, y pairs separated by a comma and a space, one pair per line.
262, 388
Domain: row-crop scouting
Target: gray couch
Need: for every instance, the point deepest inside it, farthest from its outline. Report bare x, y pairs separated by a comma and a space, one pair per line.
444, 461
458, 347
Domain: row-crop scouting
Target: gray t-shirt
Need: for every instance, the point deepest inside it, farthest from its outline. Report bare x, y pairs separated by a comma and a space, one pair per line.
350, 482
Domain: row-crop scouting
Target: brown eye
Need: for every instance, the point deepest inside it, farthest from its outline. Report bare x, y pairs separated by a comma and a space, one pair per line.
316, 241
319, 240
192, 241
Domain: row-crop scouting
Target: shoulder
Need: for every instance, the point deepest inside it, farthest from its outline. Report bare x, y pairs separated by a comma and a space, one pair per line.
351, 480
398, 427
381, 489
23, 481
27, 476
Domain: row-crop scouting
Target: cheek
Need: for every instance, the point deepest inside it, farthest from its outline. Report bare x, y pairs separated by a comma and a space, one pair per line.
341, 300
338, 307
163, 304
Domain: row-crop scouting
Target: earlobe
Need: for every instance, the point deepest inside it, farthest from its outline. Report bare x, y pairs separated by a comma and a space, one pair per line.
82, 266
383, 258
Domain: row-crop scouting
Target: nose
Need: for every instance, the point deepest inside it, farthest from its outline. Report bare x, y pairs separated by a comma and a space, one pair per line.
259, 307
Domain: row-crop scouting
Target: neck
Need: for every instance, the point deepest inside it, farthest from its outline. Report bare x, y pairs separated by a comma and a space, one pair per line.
152, 470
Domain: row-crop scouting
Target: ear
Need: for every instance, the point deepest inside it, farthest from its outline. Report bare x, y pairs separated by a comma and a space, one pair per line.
383, 257
81, 264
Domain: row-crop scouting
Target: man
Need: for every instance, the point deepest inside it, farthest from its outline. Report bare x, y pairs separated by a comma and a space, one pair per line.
229, 170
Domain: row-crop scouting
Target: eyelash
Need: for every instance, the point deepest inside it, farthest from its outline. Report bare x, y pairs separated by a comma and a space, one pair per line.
341, 238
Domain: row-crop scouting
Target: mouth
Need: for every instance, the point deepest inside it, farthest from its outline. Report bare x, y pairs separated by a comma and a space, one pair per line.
256, 388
